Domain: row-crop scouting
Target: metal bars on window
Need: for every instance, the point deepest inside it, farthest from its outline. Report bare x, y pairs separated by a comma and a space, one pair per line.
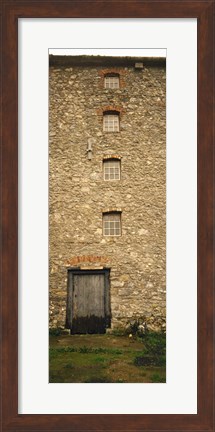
112, 224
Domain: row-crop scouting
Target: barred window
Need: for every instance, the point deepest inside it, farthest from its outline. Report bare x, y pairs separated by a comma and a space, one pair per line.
111, 122
112, 224
111, 168
112, 81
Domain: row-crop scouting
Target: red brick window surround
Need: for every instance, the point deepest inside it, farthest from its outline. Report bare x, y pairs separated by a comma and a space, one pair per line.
120, 72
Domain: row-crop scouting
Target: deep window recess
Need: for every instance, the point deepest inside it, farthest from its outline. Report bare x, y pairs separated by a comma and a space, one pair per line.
111, 81
112, 224
111, 122
111, 168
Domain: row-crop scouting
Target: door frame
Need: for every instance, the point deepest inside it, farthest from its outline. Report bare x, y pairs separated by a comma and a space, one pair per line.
71, 272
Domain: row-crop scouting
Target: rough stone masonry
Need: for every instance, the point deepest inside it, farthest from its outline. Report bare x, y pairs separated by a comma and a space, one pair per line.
79, 196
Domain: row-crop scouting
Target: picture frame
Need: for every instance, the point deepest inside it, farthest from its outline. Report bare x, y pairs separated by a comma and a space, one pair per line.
11, 12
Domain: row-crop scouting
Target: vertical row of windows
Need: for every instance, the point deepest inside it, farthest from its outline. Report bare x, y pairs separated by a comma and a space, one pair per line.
111, 119
111, 167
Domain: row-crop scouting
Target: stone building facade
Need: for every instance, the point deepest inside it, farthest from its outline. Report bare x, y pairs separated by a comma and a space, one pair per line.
107, 190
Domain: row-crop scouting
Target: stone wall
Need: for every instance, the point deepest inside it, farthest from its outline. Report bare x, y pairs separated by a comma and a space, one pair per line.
78, 193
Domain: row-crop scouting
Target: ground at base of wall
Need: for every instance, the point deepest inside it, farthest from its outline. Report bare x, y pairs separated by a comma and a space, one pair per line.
107, 359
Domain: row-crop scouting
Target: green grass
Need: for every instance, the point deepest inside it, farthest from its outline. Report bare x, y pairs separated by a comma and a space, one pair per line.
106, 359
158, 378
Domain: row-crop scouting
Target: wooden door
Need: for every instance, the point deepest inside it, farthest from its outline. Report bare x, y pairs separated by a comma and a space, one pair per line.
88, 294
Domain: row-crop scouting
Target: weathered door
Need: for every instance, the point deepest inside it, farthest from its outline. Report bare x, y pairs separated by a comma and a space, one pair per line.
88, 295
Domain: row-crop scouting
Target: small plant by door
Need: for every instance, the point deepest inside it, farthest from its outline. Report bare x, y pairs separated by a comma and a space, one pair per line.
88, 302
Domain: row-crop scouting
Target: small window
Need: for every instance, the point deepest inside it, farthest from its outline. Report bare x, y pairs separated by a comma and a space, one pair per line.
111, 169
112, 81
111, 122
112, 224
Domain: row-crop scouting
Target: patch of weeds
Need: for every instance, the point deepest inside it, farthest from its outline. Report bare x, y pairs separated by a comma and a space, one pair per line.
133, 329
87, 350
155, 344
100, 350
137, 328
148, 360
157, 378
120, 380
56, 331
84, 350
154, 351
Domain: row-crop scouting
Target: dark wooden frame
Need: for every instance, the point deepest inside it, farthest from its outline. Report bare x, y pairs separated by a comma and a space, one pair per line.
203, 10
74, 271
